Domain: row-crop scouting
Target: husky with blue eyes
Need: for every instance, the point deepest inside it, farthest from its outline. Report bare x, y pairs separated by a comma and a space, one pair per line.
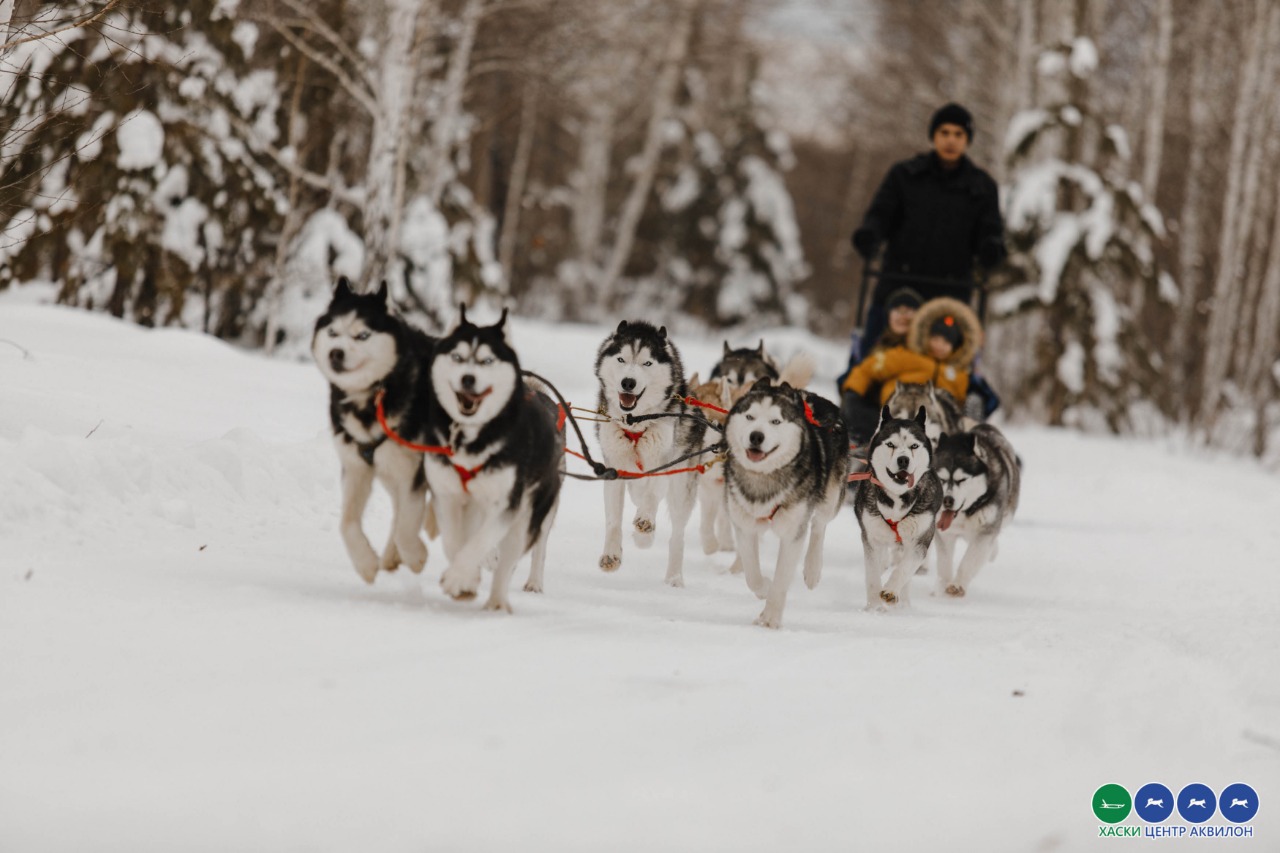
496, 489
786, 467
896, 507
639, 372
367, 352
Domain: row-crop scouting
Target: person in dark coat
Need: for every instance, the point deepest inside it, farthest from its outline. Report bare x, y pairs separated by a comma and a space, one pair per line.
936, 212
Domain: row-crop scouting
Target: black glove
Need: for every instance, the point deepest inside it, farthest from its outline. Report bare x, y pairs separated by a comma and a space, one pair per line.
991, 253
866, 242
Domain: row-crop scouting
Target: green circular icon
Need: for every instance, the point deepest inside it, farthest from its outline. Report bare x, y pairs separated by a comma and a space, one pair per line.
1111, 803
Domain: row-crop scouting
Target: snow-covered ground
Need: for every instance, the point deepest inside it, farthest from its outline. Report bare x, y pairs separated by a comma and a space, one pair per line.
188, 661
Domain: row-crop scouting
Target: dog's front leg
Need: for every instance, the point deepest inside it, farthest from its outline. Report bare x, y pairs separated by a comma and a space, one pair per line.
647, 493
509, 551
789, 550
484, 524
813, 556
401, 473
946, 548
539, 557
873, 560
748, 541
911, 555
357, 483
680, 497
449, 516
976, 555
710, 497
615, 492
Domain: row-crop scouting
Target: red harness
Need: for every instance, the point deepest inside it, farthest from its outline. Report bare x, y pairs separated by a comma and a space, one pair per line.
768, 519
634, 438
867, 475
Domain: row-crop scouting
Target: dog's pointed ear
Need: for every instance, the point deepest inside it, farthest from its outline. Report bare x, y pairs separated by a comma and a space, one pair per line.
971, 444
343, 289
462, 313
693, 381
382, 292
622, 327
782, 386
502, 321
920, 417
760, 349
726, 348
884, 415
662, 332
763, 382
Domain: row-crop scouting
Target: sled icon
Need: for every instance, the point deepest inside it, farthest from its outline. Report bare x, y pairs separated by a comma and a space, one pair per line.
1106, 805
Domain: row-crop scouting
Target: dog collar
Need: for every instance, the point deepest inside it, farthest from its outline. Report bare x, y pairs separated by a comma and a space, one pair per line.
466, 475
633, 437
893, 525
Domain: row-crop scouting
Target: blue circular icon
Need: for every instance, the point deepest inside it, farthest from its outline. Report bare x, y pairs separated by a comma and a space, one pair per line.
1153, 802
1238, 803
1196, 803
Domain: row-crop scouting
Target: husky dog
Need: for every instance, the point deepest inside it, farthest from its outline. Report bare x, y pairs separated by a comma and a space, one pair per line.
363, 350
745, 365
896, 507
980, 481
640, 373
942, 411
788, 457
498, 489
716, 529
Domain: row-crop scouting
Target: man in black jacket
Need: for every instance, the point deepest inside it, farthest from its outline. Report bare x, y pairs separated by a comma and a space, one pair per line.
937, 211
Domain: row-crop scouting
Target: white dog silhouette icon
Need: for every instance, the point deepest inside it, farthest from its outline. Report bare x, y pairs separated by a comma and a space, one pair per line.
1152, 801
1235, 803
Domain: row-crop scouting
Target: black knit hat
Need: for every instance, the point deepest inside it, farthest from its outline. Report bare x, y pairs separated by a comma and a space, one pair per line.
903, 296
952, 114
947, 327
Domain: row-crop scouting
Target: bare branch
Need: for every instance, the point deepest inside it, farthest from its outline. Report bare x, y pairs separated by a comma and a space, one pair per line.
362, 94
82, 23
320, 182
316, 24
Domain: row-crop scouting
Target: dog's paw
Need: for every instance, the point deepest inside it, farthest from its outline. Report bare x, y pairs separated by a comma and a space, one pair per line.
888, 597
955, 591
769, 620
497, 606
710, 544
643, 536
533, 586
759, 587
366, 565
674, 580
736, 567
610, 562
414, 555
458, 586
812, 574
390, 558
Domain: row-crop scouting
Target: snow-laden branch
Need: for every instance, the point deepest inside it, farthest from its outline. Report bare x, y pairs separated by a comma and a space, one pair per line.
284, 161
316, 24
361, 93
72, 26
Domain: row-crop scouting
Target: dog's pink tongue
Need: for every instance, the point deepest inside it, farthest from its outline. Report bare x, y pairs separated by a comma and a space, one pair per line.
944, 520
911, 481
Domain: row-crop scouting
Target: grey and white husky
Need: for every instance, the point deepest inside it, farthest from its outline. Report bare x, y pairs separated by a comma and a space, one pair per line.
943, 412
787, 461
980, 481
496, 493
363, 349
639, 372
896, 507
745, 365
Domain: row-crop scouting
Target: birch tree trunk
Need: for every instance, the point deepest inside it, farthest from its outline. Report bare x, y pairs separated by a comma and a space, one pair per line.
1225, 297
592, 179
394, 104
444, 128
1154, 133
1190, 231
665, 91
519, 177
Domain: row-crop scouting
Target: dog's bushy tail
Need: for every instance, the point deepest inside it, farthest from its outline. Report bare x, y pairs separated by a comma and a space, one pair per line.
798, 371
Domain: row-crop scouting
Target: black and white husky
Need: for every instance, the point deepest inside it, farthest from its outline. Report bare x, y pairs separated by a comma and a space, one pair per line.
498, 489
364, 350
980, 481
943, 413
786, 466
639, 372
896, 506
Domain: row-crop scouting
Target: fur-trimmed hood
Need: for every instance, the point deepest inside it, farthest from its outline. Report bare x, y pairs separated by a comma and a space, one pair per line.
935, 309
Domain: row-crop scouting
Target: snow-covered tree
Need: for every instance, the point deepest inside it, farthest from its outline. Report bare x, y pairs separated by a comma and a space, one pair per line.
1083, 242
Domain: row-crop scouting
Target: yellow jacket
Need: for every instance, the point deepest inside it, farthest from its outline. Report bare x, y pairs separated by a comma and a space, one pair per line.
909, 363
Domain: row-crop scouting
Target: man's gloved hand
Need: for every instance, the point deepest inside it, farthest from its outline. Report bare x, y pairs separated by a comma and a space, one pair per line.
866, 242
991, 253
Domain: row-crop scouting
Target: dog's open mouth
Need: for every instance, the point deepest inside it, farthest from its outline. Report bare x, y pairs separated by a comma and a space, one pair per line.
755, 454
628, 401
904, 478
469, 403
944, 520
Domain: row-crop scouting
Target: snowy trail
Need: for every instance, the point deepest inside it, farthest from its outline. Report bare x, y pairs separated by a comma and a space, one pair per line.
188, 662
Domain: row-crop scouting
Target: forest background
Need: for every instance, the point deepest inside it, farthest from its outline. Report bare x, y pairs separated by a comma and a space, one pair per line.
215, 164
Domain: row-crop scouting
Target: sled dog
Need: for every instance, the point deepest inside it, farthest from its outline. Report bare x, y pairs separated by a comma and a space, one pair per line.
364, 350
787, 461
498, 489
980, 480
896, 507
639, 372
745, 365
942, 411
716, 529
